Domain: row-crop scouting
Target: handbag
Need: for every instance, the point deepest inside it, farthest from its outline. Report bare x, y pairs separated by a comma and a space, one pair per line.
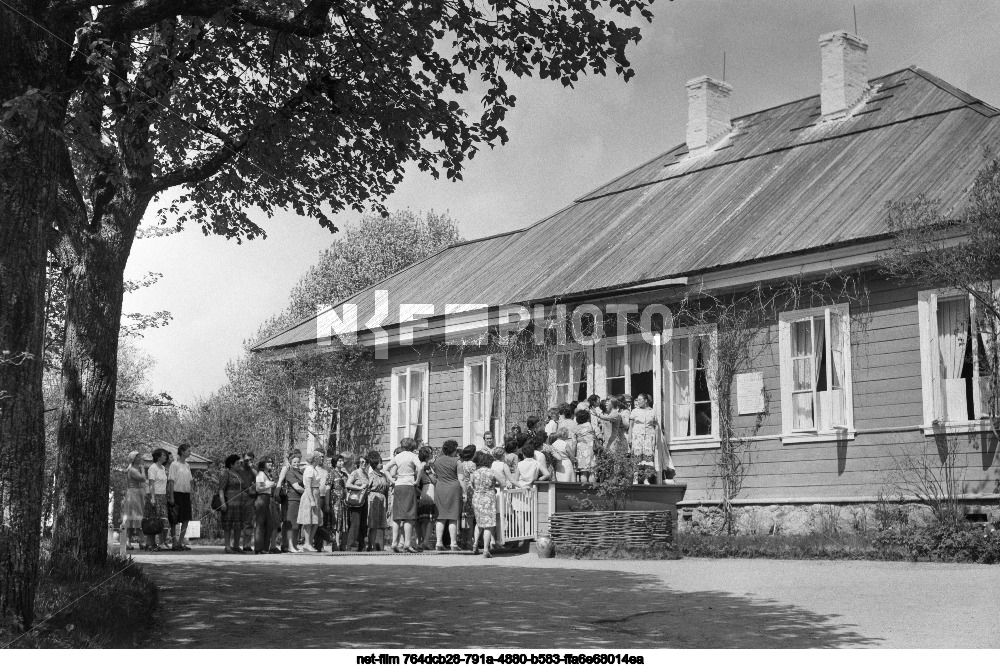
151, 525
355, 498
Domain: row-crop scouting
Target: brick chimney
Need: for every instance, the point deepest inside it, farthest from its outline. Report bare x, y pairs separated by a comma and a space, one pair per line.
708, 112
845, 72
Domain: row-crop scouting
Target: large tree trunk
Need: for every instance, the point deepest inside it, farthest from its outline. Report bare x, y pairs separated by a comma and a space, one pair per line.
94, 262
28, 157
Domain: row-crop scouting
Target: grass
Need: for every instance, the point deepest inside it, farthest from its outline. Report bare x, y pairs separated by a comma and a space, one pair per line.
116, 608
811, 546
604, 552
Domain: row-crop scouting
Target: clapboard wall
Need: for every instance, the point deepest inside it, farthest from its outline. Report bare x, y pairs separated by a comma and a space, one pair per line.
887, 400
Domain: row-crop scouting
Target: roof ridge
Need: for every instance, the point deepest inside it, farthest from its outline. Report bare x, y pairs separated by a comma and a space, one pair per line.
951, 89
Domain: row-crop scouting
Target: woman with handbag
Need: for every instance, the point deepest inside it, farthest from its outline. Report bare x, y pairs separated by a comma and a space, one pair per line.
336, 515
231, 505
265, 527
290, 482
356, 502
378, 492
309, 505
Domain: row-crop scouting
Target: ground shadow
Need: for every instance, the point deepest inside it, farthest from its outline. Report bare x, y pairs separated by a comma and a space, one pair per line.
299, 605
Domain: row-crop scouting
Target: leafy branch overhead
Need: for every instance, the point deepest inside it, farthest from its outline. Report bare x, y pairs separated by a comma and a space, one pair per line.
313, 106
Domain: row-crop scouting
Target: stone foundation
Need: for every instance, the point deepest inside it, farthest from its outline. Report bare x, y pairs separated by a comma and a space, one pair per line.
819, 518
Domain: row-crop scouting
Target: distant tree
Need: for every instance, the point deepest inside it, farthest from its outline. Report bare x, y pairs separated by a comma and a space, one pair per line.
367, 253
935, 250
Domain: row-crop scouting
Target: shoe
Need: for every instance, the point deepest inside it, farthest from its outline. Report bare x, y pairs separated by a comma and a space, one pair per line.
439, 548
455, 548
186, 548
275, 551
228, 550
396, 549
177, 548
475, 551
411, 549
487, 555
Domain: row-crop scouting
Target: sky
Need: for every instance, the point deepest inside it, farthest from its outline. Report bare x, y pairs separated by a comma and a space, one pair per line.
563, 143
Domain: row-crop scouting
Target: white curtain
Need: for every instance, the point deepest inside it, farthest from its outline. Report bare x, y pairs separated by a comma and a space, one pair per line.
680, 387
953, 327
417, 405
641, 357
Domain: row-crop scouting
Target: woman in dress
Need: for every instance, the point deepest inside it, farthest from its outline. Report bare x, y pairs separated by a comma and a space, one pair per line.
230, 490
291, 480
643, 432
157, 480
264, 525
484, 482
309, 505
563, 454
448, 493
465, 468
584, 445
358, 481
378, 491
335, 515
133, 506
403, 470
425, 497
611, 413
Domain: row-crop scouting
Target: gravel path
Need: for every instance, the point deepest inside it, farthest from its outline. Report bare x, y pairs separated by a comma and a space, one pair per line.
211, 600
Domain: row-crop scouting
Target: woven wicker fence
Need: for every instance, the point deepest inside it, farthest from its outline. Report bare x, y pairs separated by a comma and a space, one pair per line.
608, 528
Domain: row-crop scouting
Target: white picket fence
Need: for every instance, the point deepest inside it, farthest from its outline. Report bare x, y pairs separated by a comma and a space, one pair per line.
518, 514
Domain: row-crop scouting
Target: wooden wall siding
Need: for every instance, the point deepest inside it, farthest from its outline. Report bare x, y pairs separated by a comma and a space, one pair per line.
885, 360
887, 395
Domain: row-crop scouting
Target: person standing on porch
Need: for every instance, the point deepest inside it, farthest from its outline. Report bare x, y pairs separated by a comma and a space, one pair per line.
643, 433
448, 493
563, 453
179, 495
553, 424
403, 468
611, 413
584, 446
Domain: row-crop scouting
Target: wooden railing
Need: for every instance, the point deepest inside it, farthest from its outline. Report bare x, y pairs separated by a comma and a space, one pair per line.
518, 514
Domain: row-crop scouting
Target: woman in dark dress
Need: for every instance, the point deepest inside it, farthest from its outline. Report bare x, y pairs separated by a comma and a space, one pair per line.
448, 493
336, 515
230, 494
291, 477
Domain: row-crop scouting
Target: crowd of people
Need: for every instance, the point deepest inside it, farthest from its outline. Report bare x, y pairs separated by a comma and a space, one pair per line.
349, 504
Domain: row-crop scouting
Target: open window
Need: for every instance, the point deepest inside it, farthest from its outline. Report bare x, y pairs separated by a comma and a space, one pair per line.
571, 371
955, 361
689, 363
628, 369
480, 400
816, 399
408, 389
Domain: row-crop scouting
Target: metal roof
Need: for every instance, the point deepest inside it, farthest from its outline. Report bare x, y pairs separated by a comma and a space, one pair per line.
780, 183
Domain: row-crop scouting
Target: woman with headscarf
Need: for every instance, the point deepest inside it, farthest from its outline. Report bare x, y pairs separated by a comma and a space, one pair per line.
448, 493
230, 491
133, 503
309, 505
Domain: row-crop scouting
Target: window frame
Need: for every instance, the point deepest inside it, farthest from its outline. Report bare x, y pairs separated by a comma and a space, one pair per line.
697, 442
485, 361
600, 359
927, 301
589, 350
790, 435
394, 386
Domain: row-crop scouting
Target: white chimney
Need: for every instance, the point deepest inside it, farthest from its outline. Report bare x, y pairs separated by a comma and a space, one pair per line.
708, 112
845, 72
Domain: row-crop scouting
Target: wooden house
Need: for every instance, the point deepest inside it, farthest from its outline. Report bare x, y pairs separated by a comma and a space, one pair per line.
857, 392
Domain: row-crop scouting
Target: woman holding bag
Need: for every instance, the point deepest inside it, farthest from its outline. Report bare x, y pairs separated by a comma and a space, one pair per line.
231, 506
356, 502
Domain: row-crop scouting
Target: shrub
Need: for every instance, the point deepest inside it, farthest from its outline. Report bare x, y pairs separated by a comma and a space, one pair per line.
80, 606
621, 551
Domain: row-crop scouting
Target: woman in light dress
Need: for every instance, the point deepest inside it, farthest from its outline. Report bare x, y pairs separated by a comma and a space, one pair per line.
564, 453
643, 433
378, 494
484, 482
584, 446
309, 515
135, 494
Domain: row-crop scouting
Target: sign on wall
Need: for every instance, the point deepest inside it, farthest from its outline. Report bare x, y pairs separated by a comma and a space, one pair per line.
750, 393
